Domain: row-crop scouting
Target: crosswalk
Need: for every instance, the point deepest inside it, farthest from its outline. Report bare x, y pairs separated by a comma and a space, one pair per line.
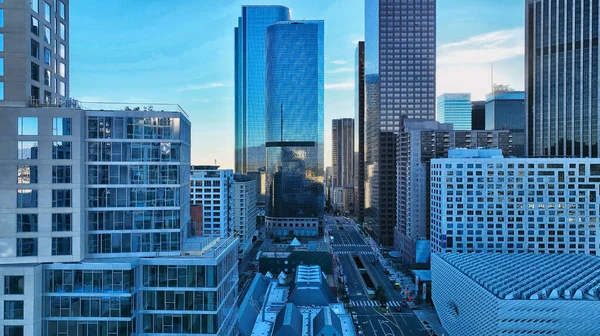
355, 252
349, 245
372, 303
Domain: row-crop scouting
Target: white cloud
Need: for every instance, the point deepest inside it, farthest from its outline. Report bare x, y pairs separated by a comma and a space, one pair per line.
485, 48
200, 87
341, 70
339, 62
340, 86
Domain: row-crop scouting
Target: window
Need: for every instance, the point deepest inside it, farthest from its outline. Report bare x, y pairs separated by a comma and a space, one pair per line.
35, 6
26, 247
61, 9
61, 69
47, 11
35, 93
27, 174
61, 174
47, 35
61, 88
1, 89
1, 42
61, 222
14, 284
62, 31
35, 73
27, 126
61, 198
61, 126
27, 222
1, 66
35, 49
13, 330
62, 50
13, 310
1, 17
61, 150
27, 150
27, 198
47, 96
47, 80
35, 26
61, 246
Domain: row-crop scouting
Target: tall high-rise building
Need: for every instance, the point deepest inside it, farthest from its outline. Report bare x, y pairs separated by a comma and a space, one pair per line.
455, 109
561, 81
505, 110
250, 34
359, 135
342, 152
400, 81
294, 127
212, 188
34, 52
478, 115
244, 210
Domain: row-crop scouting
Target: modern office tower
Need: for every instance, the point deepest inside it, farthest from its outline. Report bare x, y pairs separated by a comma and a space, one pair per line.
505, 110
399, 81
213, 188
419, 142
294, 133
359, 135
96, 227
34, 52
553, 294
244, 210
478, 115
342, 151
481, 202
328, 185
250, 154
455, 109
562, 77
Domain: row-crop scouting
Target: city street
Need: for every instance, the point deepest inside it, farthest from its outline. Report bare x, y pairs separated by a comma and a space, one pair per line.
347, 242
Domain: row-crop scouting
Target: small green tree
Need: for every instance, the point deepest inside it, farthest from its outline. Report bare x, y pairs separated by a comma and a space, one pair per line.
380, 295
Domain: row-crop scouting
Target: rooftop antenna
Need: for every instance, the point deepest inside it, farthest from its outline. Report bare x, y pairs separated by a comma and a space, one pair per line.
215, 162
492, 76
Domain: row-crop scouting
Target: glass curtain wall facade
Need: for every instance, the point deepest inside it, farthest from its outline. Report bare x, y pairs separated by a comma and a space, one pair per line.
455, 109
561, 52
250, 155
505, 110
294, 134
400, 83
342, 152
359, 135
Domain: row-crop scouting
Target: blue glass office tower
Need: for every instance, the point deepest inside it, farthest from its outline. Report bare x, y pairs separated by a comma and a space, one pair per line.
562, 92
505, 110
250, 36
455, 109
400, 83
294, 127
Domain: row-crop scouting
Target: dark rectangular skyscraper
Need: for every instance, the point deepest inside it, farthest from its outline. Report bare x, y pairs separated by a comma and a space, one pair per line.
294, 127
342, 152
477, 115
505, 110
561, 51
359, 135
250, 85
400, 82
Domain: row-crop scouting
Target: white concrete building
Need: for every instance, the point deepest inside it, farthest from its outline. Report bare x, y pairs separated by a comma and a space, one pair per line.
213, 188
516, 294
481, 202
244, 210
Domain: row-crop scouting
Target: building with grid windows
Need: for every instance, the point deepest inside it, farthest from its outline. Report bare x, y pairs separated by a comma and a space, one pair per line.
244, 210
516, 294
455, 109
399, 79
34, 53
212, 188
481, 202
505, 110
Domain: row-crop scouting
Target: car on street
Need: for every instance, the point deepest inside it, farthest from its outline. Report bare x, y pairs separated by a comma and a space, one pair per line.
404, 304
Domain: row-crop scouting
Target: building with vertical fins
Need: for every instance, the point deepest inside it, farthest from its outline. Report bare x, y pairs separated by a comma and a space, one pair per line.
400, 52
561, 77
505, 110
294, 127
342, 151
455, 109
359, 135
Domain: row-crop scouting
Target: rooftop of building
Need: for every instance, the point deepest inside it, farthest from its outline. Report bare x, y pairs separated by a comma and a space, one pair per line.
475, 153
285, 250
529, 276
207, 247
205, 167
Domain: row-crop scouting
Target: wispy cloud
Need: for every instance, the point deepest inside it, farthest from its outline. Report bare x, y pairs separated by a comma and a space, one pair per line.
200, 87
485, 48
340, 86
341, 70
339, 62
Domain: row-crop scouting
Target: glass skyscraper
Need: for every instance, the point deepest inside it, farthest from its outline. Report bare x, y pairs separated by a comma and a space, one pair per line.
561, 52
455, 109
400, 82
250, 36
359, 135
505, 110
294, 127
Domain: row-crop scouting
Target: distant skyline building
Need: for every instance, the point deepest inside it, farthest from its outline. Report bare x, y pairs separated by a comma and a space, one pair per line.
244, 210
455, 109
359, 134
561, 78
212, 188
478, 115
294, 133
250, 65
34, 52
505, 110
342, 152
400, 55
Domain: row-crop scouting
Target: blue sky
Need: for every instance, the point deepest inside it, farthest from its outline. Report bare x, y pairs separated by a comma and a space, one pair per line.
181, 51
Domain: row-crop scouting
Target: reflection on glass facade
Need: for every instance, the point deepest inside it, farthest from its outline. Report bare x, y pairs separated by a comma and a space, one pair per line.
359, 135
250, 84
455, 109
294, 134
505, 110
561, 46
400, 82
